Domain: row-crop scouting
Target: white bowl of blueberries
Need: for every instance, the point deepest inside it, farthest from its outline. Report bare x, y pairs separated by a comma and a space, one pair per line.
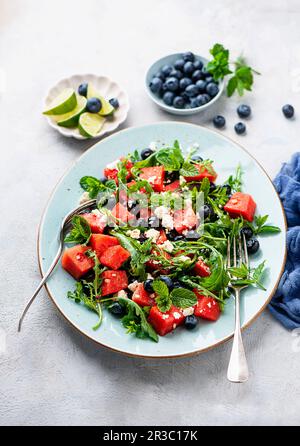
180, 84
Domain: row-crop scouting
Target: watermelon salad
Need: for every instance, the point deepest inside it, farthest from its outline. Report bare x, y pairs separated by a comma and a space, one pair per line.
153, 252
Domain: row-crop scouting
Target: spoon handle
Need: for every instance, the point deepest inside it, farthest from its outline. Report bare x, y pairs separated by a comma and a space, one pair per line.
43, 281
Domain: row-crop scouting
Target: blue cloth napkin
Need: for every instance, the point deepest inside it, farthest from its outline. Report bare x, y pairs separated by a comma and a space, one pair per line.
285, 305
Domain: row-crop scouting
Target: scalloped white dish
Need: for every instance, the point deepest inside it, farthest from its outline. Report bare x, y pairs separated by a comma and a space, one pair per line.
108, 89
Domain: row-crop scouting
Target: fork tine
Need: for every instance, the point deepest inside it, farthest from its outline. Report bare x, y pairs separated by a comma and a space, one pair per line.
241, 260
228, 253
234, 251
245, 251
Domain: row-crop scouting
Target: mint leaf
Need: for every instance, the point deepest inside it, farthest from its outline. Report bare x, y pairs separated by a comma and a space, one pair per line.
93, 186
188, 170
183, 298
269, 229
135, 320
163, 301
219, 66
80, 232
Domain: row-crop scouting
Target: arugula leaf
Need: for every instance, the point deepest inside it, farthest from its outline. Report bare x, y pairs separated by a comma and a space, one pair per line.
80, 232
89, 301
205, 187
183, 298
235, 181
139, 254
163, 300
219, 66
135, 320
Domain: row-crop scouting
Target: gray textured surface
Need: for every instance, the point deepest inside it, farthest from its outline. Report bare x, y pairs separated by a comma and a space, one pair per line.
49, 373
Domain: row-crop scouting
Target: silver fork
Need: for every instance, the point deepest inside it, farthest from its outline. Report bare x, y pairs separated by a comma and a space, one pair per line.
237, 368
65, 225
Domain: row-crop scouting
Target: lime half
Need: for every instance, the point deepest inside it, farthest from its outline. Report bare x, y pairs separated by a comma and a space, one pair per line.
63, 103
107, 108
70, 119
90, 124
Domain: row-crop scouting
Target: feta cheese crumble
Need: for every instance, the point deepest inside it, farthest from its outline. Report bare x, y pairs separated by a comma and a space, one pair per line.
133, 286
188, 311
160, 211
184, 258
167, 221
167, 246
122, 293
176, 315
152, 234
134, 233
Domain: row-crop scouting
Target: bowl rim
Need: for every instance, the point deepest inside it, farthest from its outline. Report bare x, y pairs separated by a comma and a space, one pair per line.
181, 111
126, 106
166, 356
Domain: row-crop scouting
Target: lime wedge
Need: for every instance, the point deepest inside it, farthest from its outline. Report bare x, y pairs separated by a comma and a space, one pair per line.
70, 119
63, 103
90, 124
107, 108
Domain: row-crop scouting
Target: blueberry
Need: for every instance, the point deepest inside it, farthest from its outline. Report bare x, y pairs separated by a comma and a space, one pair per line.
178, 102
191, 90
188, 56
197, 75
168, 98
247, 232
240, 128
195, 103
178, 238
114, 102
197, 158
205, 73
167, 280
203, 98
178, 64
116, 309
208, 212
188, 68
190, 322
171, 176
192, 235
212, 187
155, 85
212, 89
172, 84
93, 105
210, 79
244, 111
288, 111
219, 121
148, 285
201, 84
172, 234
82, 89
198, 64
166, 70
227, 188
176, 73
184, 82
252, 245
177, 284
103, 180
145, 153
153, 222
160, 75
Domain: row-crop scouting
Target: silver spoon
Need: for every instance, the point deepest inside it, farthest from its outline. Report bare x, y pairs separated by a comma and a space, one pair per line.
64, 226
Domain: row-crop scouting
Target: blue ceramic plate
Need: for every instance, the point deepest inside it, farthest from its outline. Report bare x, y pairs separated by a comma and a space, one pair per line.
227, 154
